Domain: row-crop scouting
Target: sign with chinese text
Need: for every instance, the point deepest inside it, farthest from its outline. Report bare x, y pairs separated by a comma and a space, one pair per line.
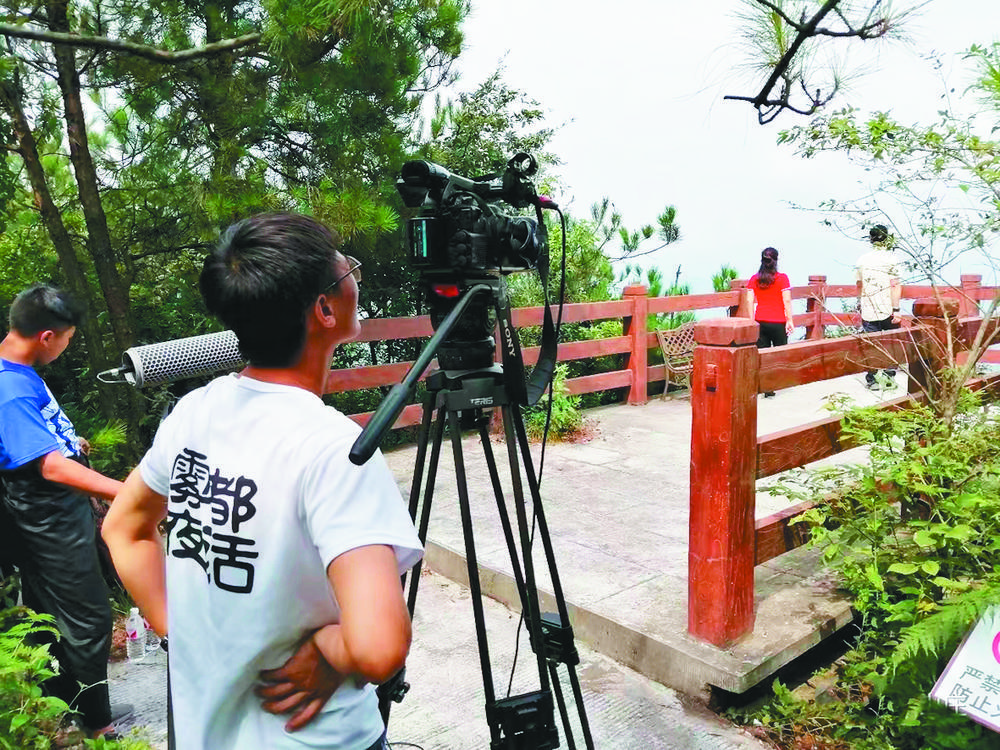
970, 683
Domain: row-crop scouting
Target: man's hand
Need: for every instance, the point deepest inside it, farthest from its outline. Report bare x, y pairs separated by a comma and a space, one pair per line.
301, 686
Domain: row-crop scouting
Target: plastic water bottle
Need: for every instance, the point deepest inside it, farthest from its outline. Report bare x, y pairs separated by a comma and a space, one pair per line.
135, 636
152, 639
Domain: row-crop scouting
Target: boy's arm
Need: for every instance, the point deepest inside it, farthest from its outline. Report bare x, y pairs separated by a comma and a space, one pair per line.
130, 530
55, 467
373, 636
370, 641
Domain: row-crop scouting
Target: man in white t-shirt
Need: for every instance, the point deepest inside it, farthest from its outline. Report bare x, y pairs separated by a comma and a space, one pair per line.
879, 289
280, 582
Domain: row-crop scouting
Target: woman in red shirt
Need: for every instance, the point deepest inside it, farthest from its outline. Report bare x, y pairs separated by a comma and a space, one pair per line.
771, 301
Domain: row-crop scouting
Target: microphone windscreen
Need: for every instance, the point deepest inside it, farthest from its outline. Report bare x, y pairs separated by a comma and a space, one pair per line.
181, 358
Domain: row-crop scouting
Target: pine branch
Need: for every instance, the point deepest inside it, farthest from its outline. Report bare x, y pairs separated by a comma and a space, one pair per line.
130, 48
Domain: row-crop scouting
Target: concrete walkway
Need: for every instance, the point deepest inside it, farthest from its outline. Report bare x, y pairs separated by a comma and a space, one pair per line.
617, 512
444, 707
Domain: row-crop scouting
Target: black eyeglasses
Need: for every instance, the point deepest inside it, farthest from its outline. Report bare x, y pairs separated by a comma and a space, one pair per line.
354, 270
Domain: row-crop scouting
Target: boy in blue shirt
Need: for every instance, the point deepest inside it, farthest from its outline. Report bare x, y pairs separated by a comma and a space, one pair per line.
47, 486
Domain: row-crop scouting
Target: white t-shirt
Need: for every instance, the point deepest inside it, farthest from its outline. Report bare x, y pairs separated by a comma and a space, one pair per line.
261, 498
875, 271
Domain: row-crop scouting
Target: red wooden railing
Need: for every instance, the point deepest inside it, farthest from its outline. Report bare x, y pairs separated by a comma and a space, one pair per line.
727, 457
635, 343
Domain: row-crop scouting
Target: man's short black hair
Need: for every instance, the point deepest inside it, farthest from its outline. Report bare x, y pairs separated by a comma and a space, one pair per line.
44, 308
878, 233
265, 273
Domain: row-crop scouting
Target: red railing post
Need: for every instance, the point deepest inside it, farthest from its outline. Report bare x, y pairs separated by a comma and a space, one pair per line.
969, 301
742, 309
635, 328
816, 304
723, 460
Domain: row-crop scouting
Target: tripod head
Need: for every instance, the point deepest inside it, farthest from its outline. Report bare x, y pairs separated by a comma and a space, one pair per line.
444, 345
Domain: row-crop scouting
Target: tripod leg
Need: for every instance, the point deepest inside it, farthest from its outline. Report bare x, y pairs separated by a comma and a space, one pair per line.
470, 555
393, 689
532, 613
508, 533
425, 507
568, 653
561, 703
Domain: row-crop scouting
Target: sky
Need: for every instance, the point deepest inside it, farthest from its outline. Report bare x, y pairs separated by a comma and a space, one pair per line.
636, 90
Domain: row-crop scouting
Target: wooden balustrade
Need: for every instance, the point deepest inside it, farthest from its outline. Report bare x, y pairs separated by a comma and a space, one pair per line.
726, 456
637, 376
726, 541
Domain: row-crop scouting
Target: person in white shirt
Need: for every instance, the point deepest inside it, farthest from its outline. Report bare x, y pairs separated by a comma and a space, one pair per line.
280, 582
879, 289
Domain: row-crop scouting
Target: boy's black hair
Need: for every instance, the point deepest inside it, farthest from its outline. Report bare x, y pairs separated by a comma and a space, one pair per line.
265, 273
44, 308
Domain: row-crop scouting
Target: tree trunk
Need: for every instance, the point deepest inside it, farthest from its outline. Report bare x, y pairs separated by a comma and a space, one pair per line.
113, 287
11, 98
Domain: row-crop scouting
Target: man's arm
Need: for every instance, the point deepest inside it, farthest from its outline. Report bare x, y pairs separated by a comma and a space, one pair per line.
373, 636
896, 294
136, 548
55, 467
370, 641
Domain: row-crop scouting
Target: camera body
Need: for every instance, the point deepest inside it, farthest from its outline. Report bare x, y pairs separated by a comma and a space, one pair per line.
461, 238
459, 231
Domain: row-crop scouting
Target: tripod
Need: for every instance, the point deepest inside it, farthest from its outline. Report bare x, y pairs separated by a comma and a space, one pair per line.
522, 722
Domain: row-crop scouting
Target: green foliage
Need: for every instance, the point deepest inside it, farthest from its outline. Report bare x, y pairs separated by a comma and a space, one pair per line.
914, 535
720, 280
566, 418
106, 444
656, 285
27, 717
477, 134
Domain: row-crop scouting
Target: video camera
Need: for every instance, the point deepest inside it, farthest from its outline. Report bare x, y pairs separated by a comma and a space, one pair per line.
459, 231
461, 238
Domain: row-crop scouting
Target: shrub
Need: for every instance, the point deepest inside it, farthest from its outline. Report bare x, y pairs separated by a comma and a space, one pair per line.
915, 539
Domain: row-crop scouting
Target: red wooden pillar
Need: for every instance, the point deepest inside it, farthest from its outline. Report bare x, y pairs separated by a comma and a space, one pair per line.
635, 328
816, 305
742, 309
723, 460
969, 301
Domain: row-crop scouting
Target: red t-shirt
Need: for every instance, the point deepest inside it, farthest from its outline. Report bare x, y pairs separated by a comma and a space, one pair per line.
770, 307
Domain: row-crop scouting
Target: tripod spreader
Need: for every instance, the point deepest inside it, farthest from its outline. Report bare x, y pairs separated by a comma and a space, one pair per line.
558, 644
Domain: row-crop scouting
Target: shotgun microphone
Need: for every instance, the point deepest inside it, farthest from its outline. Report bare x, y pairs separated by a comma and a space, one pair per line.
176, 360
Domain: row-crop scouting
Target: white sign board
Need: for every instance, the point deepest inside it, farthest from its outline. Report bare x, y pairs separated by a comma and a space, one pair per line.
970, 683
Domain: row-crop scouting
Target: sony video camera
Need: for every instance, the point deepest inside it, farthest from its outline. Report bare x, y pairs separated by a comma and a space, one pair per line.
459, 231
460, 238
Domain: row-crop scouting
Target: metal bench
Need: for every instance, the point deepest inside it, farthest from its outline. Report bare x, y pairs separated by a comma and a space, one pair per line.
677, 346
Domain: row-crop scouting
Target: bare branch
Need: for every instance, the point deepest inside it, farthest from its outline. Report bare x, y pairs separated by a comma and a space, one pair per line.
154, 54
770, 104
